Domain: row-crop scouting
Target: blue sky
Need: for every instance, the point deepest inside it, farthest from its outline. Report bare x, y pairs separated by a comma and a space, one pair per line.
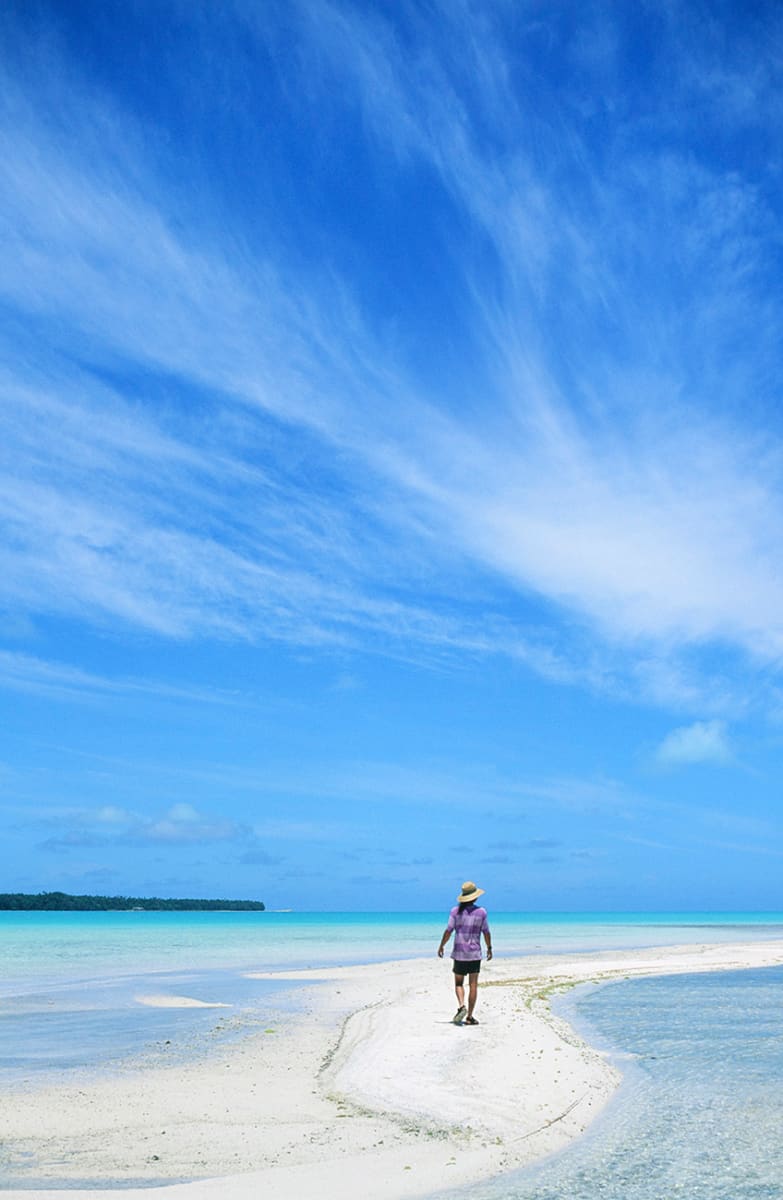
392, 472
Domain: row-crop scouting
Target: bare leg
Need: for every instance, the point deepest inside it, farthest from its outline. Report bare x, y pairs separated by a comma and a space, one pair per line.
472, 993
459, 981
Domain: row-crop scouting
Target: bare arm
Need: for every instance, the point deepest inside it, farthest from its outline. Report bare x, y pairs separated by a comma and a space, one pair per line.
443, 940
488, 940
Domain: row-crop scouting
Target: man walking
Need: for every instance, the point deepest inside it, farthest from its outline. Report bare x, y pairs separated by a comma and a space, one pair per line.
467, 921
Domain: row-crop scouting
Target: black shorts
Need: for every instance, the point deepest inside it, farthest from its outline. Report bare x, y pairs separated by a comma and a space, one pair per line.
467, 968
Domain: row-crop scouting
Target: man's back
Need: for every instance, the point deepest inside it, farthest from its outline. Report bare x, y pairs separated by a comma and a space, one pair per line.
468, 921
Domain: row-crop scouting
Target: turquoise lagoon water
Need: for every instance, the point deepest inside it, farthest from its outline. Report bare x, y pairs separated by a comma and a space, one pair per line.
700, 1110
702, 1056
60, 947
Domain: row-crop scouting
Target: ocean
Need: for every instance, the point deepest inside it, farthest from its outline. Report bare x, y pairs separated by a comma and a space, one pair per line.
698, 1113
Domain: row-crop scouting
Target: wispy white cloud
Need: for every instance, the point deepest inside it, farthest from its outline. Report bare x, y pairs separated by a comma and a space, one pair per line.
186, 828
587, 518
317, 801
180, 825
630, 519
26, 673
701, 742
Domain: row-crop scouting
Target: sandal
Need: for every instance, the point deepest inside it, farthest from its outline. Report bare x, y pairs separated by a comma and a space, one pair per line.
459, 1016
471, 1021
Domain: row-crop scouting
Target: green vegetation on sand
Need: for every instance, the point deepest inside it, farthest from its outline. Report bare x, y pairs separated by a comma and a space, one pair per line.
61, 901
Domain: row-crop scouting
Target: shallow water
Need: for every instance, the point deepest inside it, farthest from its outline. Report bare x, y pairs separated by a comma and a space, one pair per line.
700, 1111
99, 1024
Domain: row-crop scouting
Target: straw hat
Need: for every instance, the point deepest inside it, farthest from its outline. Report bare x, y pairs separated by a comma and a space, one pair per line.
469, 893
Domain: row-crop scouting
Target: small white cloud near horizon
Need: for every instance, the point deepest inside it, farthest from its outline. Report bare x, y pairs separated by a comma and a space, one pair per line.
701, 742
182, 812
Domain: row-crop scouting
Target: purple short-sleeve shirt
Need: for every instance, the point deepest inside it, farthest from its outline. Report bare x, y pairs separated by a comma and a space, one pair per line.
468, 927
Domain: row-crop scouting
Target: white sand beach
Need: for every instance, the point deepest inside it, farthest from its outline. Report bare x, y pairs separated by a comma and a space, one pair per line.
371, 1077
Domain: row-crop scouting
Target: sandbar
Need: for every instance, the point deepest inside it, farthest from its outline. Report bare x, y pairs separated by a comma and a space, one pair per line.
164, 1000
368, 1089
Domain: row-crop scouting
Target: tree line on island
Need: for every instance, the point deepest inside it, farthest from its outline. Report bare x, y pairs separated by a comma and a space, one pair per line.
62, 902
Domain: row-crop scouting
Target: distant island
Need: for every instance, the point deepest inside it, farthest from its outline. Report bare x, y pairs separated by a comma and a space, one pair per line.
62, 902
